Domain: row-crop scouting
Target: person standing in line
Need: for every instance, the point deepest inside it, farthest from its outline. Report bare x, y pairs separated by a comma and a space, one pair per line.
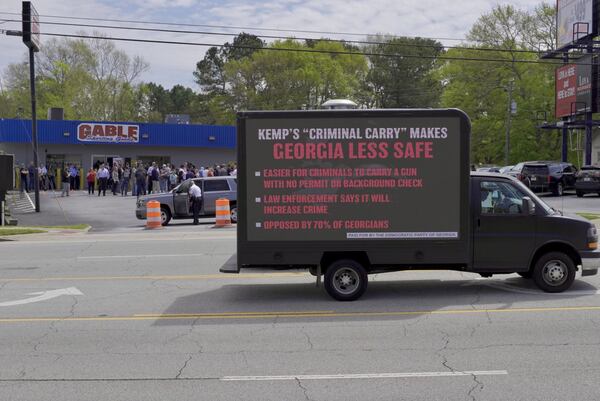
149, 178
154, 177
125, 180
43, 177
31, 177
196, 198
51, 178
24, 184
115, 178
140, 180
66, 185
172, 179
91, 181
77, 177
72, 174
103, 175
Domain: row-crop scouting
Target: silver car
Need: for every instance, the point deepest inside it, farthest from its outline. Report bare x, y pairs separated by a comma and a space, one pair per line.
175, 204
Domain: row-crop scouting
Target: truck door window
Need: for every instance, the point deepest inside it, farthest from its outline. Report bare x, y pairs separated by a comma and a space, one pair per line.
500, 198
216, 185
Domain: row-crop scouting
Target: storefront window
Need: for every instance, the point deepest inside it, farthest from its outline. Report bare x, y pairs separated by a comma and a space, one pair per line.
160, 160
58, 161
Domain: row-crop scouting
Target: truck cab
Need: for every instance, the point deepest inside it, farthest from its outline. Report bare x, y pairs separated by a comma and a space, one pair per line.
515, 231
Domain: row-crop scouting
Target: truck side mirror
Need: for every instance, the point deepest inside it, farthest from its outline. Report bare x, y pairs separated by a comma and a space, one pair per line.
528, 206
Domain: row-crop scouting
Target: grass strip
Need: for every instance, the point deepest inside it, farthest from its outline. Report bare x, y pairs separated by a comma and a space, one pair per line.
589, 216
19, 231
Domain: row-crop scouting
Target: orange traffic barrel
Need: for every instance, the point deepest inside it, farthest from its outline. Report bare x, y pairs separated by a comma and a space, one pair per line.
222, 213
153, 219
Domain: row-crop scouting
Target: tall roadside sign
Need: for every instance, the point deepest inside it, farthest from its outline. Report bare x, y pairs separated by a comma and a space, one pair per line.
31, 38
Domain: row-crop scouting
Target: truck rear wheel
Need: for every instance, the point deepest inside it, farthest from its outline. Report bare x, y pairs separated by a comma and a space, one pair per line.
346, 280
554, 272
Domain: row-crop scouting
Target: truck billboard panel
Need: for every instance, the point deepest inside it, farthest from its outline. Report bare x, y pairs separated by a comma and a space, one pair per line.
353, 178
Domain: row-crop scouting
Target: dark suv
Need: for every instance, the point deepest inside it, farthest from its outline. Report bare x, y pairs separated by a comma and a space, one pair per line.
553, 177
588, 181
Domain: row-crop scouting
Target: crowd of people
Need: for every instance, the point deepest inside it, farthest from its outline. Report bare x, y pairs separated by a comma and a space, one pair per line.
120, 178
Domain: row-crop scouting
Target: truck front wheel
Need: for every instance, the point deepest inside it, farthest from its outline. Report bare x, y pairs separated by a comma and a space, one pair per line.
554, 272
346, 280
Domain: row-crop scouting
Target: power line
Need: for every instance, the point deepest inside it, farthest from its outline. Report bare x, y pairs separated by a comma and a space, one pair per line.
316, 51
432, 46
224, 26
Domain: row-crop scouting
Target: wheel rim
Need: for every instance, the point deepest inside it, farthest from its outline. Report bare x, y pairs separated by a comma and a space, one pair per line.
555, 272
163, 216
346, 281
234, 214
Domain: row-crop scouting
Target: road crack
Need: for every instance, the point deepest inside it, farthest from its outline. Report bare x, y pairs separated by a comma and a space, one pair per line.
304, 389
184, 366
477, 385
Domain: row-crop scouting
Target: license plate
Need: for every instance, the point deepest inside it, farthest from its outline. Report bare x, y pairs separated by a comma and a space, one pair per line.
533, 178
587, 179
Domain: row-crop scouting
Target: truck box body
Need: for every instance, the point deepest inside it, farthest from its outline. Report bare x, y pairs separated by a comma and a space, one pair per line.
393, 184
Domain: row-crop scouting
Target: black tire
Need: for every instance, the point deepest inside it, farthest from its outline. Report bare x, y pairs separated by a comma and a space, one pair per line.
346, 280
579, 194
524, 274
559, 189
554, 272
234, 214
165, 215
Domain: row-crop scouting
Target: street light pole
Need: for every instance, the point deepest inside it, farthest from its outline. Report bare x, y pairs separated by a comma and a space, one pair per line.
508, 124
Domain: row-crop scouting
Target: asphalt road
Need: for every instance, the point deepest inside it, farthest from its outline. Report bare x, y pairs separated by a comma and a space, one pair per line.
147, 316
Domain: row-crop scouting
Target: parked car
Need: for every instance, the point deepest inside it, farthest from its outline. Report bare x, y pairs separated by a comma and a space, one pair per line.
515, 170
490, 169
505, 169
555, 177
176, 203
588, 181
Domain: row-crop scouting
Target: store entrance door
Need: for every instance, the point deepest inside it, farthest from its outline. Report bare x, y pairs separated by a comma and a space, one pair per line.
108, 160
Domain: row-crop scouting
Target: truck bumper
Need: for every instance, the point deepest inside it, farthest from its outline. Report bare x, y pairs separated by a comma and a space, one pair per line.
590, 262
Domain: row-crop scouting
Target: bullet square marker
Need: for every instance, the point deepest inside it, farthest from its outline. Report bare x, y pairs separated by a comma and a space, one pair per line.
257, 200
258, 225
257, 173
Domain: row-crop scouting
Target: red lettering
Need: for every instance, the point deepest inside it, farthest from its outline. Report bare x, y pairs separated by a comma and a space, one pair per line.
84, 131
132, 132
110, 130
98, 130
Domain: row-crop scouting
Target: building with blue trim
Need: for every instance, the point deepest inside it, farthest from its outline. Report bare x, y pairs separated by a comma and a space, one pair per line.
86, 143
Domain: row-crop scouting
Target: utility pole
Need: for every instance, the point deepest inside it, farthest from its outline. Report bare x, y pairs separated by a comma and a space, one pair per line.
509, 112
31, 38
36, 178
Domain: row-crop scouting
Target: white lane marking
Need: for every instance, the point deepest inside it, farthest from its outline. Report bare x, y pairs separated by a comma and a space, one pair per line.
173, 255
367, 376
43, 296
519, 290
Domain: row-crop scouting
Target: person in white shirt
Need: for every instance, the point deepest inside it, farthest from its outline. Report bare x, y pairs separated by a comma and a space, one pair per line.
196, 198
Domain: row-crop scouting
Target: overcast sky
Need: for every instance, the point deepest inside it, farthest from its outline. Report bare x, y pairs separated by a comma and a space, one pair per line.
174, 64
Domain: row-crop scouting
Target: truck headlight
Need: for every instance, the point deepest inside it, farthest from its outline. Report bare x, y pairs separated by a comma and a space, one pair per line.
592, 237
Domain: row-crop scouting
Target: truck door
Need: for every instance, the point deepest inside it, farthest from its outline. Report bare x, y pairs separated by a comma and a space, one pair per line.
181, 199
213, 190
504, 237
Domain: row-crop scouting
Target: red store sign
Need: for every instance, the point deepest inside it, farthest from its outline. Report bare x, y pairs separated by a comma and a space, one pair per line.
108, 133
566, 90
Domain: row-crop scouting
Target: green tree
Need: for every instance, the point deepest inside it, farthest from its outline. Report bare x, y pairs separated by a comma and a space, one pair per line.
485, 89
89, 79
294, 77
400, 73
